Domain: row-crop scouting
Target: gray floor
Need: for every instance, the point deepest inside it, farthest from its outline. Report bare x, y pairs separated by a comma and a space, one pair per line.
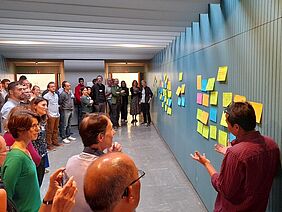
164, 187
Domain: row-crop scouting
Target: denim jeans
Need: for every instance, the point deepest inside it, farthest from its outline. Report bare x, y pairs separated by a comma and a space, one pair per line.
67, 115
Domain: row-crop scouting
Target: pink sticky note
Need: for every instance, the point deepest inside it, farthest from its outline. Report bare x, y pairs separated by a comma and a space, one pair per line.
199, 98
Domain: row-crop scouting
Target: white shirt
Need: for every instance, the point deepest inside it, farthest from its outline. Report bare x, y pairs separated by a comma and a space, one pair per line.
143, 96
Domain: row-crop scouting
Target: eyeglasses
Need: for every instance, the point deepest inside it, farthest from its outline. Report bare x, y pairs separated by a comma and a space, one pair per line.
141, 174
35, 126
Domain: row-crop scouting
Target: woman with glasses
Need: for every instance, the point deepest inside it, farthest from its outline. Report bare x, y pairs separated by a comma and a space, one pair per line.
39, 105
19, 171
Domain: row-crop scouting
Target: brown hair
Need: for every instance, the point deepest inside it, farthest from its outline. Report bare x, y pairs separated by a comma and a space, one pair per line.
90, 127
21, 120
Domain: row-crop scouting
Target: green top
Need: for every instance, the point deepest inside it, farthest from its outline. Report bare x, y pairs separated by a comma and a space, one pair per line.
86, 106
116, 94
20, 179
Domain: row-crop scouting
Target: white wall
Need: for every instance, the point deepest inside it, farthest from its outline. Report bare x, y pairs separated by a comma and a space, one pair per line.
87, 69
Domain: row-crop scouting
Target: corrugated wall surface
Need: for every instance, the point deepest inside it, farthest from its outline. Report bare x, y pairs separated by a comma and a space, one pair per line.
246, 36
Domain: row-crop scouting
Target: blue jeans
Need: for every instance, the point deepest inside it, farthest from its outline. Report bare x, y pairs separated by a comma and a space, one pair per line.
67, 116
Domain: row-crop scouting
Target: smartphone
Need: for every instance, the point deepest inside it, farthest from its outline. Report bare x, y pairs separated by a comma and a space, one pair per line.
65, 178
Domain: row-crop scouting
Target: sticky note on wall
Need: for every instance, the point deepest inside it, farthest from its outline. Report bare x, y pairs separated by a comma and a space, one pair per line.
180, 77
222, 74
205, 132
258, 110
223, 121
205, 101
210, 85
227, 99
238, 98
222, 137
213, 114
199, 82
199, 98
213, 131
204, 84
213, 98
200, 127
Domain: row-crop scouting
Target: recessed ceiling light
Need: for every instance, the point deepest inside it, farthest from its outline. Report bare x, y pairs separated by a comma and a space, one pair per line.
19, 42
134, 45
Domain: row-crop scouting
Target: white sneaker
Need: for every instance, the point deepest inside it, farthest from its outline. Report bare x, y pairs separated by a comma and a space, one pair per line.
71, 138
66, 141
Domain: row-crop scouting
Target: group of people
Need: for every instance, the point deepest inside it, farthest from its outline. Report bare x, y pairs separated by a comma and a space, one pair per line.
115, 99
101, 178
110, 183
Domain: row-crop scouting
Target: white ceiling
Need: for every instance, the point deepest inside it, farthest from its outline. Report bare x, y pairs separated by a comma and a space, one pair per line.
93, 29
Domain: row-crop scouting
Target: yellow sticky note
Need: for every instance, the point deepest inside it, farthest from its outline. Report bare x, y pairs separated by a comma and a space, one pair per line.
165, 98
163, 104
165, 77
164, 92
183, 88
213, 98
169, 85
205, 100
178, 91
226, 99
199, 114
206, 132
210, 85
180, 77
222, 137
161, 96
169, 111
213, 130
167, 101
238, 98
205, 117
169, 94
258, 110
199, 82
222, 73
223, 120
165, 107
200, 127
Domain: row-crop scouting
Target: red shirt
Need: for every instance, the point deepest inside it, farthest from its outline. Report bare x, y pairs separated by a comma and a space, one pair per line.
246, 174
77, 93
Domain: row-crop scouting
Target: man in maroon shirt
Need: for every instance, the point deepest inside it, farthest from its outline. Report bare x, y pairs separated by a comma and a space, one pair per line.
77, 95
248, 167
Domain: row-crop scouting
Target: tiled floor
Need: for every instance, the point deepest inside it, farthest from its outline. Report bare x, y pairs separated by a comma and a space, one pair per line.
164, 187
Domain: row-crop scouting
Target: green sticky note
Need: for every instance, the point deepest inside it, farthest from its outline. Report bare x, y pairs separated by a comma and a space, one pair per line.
206, 131
222, 137
210, 85
213, 98
180, 76
200, 127
213, 130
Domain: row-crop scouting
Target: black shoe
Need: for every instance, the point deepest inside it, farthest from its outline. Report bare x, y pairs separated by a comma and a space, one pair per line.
135, 120
148, 124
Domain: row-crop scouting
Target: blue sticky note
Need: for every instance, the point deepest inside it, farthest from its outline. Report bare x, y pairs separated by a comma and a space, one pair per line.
231, 137
179, 101
183, 101
165, 85
160, 90
213, 114
204, 84
162, 98
169, 102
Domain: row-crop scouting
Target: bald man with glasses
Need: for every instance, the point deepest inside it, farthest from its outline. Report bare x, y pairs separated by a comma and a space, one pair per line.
112, 183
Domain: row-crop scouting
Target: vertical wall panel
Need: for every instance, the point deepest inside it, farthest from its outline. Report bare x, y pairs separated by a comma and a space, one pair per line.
246, 36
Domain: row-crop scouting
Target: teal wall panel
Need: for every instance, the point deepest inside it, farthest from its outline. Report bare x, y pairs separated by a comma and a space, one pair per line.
244, 35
